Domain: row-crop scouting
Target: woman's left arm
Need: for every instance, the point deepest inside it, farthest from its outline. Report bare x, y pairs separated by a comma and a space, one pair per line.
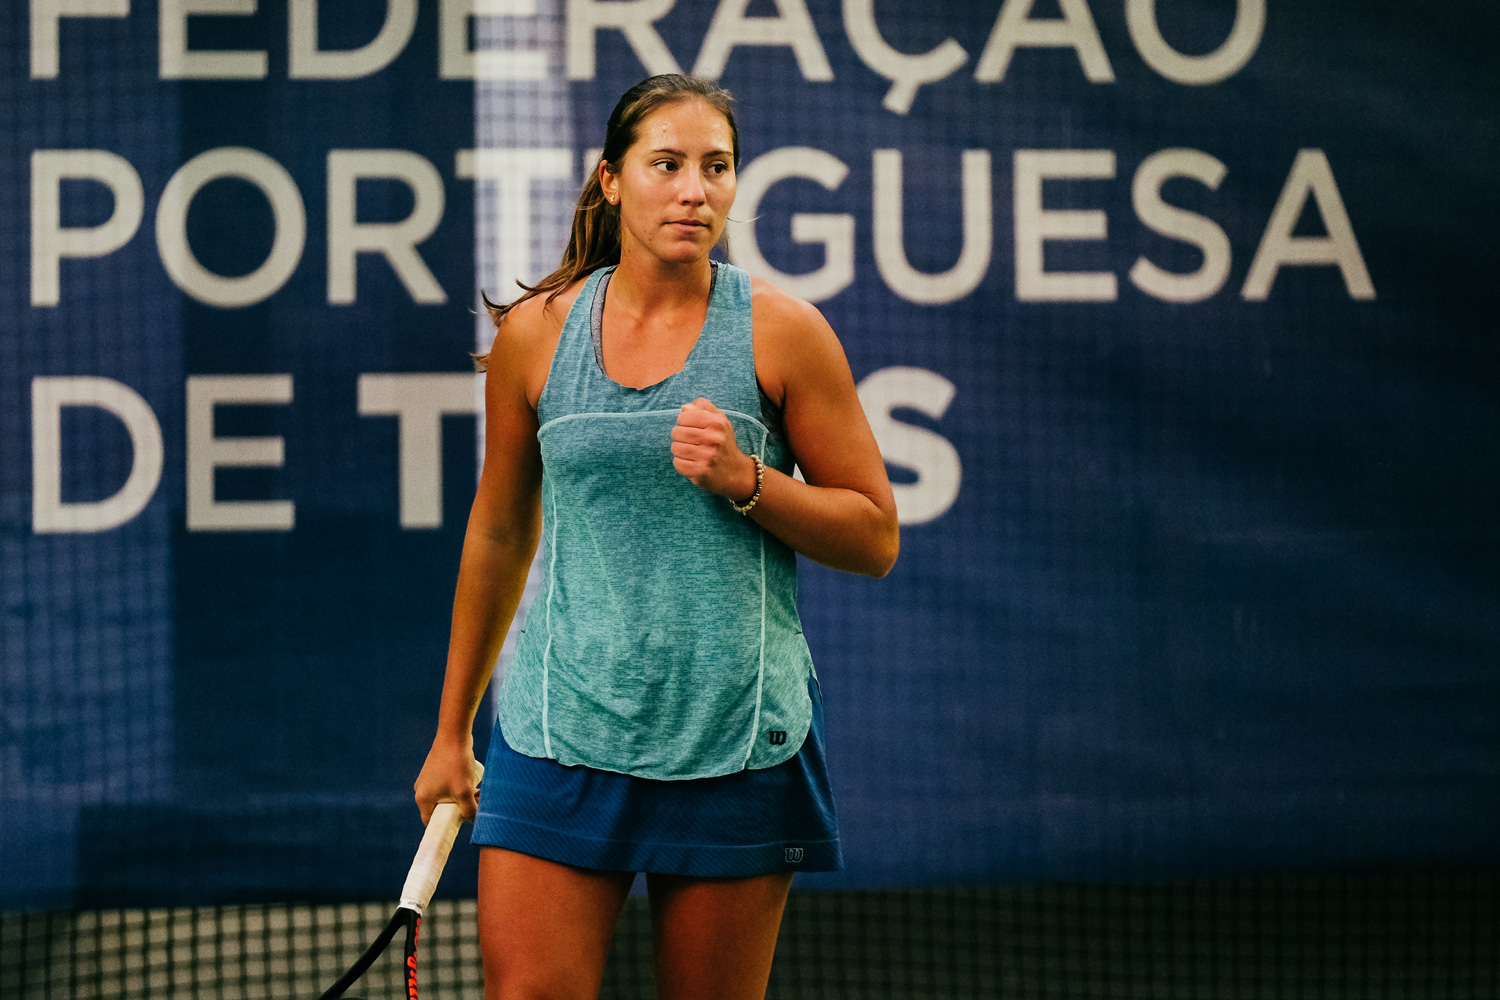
844, 515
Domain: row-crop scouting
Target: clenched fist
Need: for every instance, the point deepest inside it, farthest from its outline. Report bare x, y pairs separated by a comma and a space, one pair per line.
704, 450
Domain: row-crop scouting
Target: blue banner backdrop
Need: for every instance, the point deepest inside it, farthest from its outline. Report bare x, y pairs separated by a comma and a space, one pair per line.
1168, 314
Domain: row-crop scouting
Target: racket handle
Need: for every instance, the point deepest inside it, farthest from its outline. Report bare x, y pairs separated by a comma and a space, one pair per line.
432, 855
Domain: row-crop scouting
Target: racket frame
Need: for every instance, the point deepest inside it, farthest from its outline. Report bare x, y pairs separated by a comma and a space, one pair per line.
416, 894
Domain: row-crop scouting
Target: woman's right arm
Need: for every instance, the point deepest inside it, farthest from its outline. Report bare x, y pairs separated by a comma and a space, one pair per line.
501, 539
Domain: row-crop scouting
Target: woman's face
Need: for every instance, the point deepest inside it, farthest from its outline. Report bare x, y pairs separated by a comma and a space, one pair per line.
676, 183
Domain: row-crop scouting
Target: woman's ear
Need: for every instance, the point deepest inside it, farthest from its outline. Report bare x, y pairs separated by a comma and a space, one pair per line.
610, 184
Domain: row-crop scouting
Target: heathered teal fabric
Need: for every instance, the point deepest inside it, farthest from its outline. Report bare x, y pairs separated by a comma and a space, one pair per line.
664, 641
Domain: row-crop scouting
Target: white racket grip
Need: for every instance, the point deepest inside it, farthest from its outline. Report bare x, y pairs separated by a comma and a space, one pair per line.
432, 855
442, 828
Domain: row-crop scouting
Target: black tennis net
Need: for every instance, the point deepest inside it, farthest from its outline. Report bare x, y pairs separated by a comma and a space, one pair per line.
1413, 935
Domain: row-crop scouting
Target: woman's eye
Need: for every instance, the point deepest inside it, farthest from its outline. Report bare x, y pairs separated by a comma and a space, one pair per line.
666, 165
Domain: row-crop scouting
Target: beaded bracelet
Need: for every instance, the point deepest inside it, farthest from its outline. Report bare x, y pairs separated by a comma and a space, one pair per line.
760, 478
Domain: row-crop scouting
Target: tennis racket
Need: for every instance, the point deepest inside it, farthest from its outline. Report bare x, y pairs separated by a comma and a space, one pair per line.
426, 868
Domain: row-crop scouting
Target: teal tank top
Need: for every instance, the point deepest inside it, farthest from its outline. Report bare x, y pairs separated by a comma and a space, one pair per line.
664, 640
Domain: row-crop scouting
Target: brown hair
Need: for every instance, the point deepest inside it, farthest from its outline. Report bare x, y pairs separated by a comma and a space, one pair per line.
595, 241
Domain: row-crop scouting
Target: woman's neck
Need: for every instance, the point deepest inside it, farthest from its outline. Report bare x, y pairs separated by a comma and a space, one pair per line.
645, 284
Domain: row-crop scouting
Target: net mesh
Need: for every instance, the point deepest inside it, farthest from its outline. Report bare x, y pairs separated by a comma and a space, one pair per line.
1412, 935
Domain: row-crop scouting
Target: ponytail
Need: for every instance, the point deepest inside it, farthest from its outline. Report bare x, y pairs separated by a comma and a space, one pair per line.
595, 240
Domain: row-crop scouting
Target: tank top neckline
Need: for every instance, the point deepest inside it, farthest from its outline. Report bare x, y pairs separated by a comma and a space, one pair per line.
596, 330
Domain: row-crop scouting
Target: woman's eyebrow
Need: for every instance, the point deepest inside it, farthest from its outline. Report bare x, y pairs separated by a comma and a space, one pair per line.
678, 152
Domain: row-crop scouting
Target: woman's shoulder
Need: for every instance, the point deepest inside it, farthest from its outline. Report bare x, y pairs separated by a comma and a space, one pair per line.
529, 331
784, 321
539, 315
793, 342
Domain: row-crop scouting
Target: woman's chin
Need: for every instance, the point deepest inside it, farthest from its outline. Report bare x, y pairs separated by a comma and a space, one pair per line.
684, 251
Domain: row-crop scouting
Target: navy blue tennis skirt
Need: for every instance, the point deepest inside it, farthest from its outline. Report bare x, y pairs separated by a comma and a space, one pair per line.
751, 822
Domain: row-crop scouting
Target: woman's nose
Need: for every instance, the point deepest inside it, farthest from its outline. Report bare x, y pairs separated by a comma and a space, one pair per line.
690, 187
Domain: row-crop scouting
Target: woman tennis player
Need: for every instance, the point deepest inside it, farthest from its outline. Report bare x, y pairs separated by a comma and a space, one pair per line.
643, 409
